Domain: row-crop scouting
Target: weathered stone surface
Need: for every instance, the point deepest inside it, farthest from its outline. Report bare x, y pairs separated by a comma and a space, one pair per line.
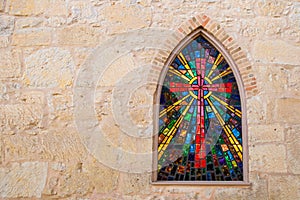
105, 179
273, 79
80, 178
37, 7
4, 41
273, 8
56, 144
293, 144
22, 7
262, 26
266, 133
23, 180
49, 68
103, 97
132, 17
276, 51
19, 118
140, 105
32, 37
71, 180
256, 110
284, 187
133, 183
6, 24
1, 151
61, 107
2, 5
30, 22
294, 82
118, 69
80, 55
78, 35
257, 190
32, 97
9, 91
185, 192
55, 21
10, 65
292, 34
82, 11
287, 110
268, 158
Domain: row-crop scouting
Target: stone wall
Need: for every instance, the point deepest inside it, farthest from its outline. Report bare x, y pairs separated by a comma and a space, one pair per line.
77, 86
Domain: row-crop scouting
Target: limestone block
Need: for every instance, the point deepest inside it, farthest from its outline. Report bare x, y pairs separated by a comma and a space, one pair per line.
103, 102
136, 145
23, 180
32, 37
6, 24
273, 79
126, 17
4, 41
61, 106
30, 22
284, 187
104, 179
110, 131
267, 158
276, 51
22, 7
80, 55
82, 11
266, 133
80, 178
1, 151
37, 7
263, 26
293, 144
55, 7
2, 5
187, 192
57, 144
256, 110
73, 181
78, 35
116, 71
49, 68
273, 8
292, 33
248, 28
32, 97
98, 2
140, 106
10, 65
9, 91
56, 21
294, 82
143, 57
19, 118
287, 110
258, 190
134, 183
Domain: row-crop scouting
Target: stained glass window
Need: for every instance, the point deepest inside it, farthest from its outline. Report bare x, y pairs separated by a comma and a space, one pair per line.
200, 118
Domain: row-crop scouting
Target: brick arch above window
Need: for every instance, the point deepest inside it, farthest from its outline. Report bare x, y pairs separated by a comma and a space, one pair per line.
224, 40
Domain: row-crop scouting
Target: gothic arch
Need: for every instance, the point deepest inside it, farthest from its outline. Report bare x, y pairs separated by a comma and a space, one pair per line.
233, 54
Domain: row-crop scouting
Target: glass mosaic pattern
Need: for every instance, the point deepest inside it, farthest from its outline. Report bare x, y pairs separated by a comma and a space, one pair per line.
200, 128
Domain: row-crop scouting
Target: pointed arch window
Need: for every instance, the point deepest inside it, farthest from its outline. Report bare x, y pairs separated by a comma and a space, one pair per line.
200, 135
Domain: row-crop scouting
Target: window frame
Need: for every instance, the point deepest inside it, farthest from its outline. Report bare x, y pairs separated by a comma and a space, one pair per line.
219, 46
